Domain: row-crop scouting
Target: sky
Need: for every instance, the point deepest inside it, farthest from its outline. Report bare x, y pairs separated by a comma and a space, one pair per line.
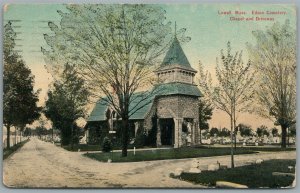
209, 29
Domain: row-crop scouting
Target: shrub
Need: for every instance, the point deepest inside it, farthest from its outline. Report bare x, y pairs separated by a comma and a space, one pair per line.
106, 145
140, 140
152, 133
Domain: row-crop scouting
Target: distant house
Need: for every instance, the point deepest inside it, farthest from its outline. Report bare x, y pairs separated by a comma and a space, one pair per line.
171, 114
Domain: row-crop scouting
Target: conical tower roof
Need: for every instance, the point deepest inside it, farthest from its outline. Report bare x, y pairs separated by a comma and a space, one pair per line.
175, 55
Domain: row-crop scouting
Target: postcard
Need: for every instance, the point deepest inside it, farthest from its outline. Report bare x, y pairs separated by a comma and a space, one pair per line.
149, 95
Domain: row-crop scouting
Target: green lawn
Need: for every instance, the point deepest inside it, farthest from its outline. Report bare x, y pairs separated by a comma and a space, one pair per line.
86, 147
7, 152
162, 154
254, 176
261, 148
83, 147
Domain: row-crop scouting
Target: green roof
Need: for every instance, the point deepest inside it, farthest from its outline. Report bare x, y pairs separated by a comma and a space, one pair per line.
99, 111
175, 55
141, 105
141, 102
175, 88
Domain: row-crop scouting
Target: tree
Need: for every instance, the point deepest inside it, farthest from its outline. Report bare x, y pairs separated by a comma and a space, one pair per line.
274, 58
106, 145
9, 98
205, 113
292, 130
214, 131
66, 103
259, 132
115, 48
224, 132
234, 89
274, 131
40, 131
266, 132
20, 99
245, 129
27, 132
262, 130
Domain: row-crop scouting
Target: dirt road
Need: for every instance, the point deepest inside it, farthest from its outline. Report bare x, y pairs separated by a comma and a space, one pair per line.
42, 164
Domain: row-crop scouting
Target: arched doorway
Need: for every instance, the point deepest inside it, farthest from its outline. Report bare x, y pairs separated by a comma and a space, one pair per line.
167, 131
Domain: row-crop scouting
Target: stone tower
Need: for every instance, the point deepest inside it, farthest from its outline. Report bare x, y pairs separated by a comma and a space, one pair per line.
175, 66
177, 106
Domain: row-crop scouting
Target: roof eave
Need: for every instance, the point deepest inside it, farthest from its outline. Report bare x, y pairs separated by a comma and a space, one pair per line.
171, 67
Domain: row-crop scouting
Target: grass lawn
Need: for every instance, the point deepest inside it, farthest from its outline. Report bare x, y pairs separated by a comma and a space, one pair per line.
86, 147
162, 154
261, 148
83, 147
7, 152
254, 176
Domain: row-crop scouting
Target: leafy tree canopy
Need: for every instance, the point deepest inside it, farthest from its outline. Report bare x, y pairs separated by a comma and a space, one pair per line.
66, 101
115, 49
205, 113
274, 58
245, 130
20, 99
262, 130
214, 131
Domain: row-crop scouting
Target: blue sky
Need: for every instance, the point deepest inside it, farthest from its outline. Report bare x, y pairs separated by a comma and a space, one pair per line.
208, 30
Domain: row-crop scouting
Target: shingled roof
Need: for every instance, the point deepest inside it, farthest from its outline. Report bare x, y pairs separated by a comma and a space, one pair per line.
178, 88
175, 55
174, 88
99, 111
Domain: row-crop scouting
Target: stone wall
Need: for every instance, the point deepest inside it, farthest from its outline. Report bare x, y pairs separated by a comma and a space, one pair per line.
178, 107
183, 76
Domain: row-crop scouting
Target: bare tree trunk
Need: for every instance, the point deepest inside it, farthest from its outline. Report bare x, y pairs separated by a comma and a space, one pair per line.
72, 136
15, 135
8, 137
231, 136
234, 139
125, 124
200, 136
234, 126
283, 136
288, 137
21, 129
125, 136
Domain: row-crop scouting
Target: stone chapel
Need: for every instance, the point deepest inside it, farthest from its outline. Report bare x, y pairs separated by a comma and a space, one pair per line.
172, 112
